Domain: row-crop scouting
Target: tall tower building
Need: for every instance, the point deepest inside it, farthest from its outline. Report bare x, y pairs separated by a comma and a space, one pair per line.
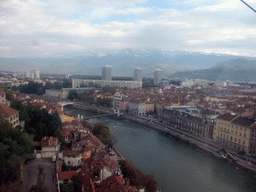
157, 76
138, 74
33, 74
106, 73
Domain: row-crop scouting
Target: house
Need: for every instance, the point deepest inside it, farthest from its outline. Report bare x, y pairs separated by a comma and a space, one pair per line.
9, 114
65, 176
50, 147
74, 157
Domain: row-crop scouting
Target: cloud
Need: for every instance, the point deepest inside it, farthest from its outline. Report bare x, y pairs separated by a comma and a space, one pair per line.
56, 28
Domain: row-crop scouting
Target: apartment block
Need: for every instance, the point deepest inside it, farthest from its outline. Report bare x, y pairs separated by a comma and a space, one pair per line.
236, 132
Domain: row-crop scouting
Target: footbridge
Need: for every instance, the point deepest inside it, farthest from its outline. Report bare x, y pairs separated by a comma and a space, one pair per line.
95, 116
64, 103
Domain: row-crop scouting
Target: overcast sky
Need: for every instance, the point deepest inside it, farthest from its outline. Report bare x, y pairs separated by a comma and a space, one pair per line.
55, 28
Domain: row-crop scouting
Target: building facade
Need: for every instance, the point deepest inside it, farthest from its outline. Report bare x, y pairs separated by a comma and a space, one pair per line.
157, 76
119, 103
76, 83
236, 132
50, 147
137, 108
138, 74
9, 114
106, 73
191, 123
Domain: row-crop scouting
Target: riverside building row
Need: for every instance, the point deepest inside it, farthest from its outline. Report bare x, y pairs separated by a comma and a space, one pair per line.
181, 119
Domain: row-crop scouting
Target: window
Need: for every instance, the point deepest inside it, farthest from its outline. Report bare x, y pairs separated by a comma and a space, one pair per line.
240, 134
231, 131
68, 162
227, 137
236, 132
232, 126
241, 128
221, 135
228, 125
243, 142
244, 135
224, 129
236, 127
231, 138
228, 130
239, 141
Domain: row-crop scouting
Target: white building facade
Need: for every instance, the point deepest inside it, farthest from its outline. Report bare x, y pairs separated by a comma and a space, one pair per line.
106, 73
157, 76
138, 74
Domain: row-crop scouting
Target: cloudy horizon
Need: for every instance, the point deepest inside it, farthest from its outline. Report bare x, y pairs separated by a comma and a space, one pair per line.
44, 28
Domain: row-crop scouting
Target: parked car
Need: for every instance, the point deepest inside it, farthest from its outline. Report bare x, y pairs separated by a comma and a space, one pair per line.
33, 188
28, 160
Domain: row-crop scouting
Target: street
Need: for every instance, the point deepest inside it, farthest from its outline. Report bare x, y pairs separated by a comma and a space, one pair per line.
31, 173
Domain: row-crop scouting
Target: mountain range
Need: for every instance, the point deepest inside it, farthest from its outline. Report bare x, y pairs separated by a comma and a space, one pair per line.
235, 70
177, 64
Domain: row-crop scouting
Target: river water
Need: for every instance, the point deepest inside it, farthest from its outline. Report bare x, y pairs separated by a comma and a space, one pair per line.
177, 167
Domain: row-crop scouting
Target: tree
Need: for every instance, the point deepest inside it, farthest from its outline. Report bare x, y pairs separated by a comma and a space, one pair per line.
128, 171
86, 124
19, 106
111, 140
9, 95
60, 135
148, 181
13, 147
40, 182
72, 94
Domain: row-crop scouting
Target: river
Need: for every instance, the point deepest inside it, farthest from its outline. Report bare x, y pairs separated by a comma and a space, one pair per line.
176, 166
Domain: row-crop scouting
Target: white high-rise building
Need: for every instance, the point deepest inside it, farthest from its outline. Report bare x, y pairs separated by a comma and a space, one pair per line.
33, 74
138, 74
157, 76
106, 73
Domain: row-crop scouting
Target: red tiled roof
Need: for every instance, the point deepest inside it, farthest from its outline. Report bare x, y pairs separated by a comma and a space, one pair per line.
60, 166
226, 117
49, 142
60, 112
6, 111
73, 153
67, 175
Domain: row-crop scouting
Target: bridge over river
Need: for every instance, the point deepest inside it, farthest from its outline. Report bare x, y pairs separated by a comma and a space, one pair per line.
96, 116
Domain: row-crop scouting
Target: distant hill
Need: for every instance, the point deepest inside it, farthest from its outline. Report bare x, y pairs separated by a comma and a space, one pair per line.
123, 62
236, 70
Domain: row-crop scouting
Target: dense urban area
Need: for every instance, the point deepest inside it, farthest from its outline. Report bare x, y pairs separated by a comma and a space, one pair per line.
43, 148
